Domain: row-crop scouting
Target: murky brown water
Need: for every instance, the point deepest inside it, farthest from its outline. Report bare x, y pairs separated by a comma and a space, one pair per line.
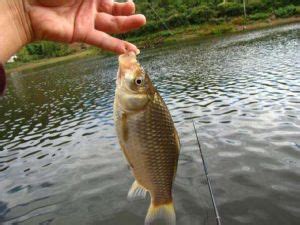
60, 162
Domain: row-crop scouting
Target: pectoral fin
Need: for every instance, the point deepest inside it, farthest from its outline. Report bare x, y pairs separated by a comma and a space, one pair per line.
136, 192
124, 129
177, 141
178, 151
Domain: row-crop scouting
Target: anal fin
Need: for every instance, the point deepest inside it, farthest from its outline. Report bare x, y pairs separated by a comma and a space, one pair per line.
136, 192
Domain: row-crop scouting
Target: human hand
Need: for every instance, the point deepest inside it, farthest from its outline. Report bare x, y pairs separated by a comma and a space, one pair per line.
88, 21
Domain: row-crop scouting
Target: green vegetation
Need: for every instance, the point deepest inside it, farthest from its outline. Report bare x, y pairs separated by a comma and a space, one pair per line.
210, 17
259, 16
43, 49
41, 63
221, 29
297, 10
287, 11
176, 13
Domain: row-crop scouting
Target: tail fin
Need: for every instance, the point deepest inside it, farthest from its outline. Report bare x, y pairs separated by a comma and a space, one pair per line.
165, 212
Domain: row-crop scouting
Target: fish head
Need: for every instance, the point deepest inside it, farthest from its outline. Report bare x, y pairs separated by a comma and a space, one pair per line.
134, 87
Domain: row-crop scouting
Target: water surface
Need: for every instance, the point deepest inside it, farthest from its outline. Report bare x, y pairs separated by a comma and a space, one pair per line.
60, 162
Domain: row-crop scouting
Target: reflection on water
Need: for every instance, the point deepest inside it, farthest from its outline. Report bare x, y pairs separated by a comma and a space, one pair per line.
60, 162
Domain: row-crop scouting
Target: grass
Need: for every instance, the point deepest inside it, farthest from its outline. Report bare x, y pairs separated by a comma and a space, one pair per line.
160, 38
19, 66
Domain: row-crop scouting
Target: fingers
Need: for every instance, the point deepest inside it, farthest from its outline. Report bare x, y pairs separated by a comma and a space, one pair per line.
118, 24
109, 43
116, 8
123, 9
114, 17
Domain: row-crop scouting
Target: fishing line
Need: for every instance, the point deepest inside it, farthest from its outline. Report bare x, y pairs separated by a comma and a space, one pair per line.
218, 218
165, 25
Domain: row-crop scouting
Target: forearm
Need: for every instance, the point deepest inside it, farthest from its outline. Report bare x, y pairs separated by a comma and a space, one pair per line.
15, 29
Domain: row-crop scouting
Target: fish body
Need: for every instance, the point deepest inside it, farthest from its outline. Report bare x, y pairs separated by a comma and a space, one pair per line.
148, 138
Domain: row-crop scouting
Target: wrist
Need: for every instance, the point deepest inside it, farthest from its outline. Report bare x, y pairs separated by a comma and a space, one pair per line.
15, 28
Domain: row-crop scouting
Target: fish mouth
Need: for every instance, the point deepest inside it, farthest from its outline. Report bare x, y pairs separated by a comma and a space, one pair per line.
127, 62
127, 59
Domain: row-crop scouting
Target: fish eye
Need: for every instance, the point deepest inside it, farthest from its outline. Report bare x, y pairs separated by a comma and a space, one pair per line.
139, 81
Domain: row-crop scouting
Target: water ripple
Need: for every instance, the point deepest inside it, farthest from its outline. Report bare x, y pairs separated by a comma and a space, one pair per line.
59, 158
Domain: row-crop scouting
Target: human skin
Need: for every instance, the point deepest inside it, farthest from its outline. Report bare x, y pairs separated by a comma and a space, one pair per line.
68, 21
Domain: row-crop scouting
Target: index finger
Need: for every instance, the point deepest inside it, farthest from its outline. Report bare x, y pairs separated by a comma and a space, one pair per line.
109, 43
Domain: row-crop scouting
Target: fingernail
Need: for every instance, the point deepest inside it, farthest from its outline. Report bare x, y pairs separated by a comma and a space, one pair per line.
137, 52
144, 18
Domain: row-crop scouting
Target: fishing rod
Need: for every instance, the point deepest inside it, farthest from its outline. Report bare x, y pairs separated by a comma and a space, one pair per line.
218, 218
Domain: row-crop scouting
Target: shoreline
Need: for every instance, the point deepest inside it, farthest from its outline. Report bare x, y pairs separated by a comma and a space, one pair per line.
157, 39
204, 31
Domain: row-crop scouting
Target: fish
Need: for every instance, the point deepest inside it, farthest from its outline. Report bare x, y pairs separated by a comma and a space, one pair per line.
147, 137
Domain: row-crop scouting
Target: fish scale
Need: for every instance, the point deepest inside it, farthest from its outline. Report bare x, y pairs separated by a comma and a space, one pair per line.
153, 150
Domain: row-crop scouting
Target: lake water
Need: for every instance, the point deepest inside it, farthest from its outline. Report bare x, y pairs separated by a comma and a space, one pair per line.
60, 162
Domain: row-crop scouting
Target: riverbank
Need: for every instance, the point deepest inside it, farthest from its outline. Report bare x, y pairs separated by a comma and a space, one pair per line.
160, 38
236, 25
